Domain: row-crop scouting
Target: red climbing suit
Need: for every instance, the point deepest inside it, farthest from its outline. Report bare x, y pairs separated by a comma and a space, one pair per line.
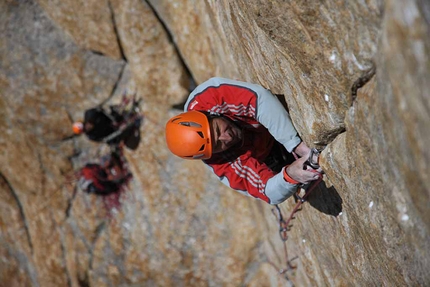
106, 178
264, 119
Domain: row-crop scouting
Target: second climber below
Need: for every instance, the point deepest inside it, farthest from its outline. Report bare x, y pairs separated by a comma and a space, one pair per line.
118, 126
244, 135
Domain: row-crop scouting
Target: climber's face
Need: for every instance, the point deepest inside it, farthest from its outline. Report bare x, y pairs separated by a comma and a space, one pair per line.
225, 134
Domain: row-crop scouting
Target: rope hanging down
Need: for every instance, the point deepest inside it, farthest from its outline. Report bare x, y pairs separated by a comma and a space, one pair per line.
285, 226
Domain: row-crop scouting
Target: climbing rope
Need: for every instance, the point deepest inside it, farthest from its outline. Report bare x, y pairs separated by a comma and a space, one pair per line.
285, 225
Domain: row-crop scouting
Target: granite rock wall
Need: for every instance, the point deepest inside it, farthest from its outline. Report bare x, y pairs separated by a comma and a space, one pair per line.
175, 224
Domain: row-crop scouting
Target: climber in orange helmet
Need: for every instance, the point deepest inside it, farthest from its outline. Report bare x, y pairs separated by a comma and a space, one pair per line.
97, 124
244, 134
112, 127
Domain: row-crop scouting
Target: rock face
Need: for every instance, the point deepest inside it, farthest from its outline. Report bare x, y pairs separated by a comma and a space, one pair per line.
175, 224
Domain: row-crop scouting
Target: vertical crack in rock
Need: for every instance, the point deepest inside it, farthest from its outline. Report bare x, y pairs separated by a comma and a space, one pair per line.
277, 254
44, 172
121, 50
360, 82
70, 202
115, 86
26, 266
64, 258
252, 266
97, 233
84, 281
21, 210
157, 159
115, 28
175, 46
69, 116
82, 277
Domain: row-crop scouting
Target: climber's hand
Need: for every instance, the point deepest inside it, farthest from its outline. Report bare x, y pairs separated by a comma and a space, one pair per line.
301, 172
310, 168
302, 150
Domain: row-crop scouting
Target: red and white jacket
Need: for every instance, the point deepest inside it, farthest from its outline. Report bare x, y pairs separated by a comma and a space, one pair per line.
264, 118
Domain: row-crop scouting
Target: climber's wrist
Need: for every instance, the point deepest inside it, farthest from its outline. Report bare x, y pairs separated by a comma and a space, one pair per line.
288, 178
302, 149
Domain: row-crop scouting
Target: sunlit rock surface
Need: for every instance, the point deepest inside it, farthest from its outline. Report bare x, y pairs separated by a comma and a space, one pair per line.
176, 225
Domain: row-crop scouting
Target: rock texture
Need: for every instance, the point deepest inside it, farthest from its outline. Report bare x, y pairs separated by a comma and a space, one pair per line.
367, 224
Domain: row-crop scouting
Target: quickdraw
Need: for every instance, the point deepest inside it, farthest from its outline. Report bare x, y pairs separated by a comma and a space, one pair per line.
310, 161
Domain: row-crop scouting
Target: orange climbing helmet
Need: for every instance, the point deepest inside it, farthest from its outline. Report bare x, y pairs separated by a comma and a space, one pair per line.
78, 128
188, 135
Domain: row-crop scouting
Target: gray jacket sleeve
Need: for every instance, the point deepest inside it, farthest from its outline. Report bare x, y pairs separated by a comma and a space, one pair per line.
278, 190
275, 118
